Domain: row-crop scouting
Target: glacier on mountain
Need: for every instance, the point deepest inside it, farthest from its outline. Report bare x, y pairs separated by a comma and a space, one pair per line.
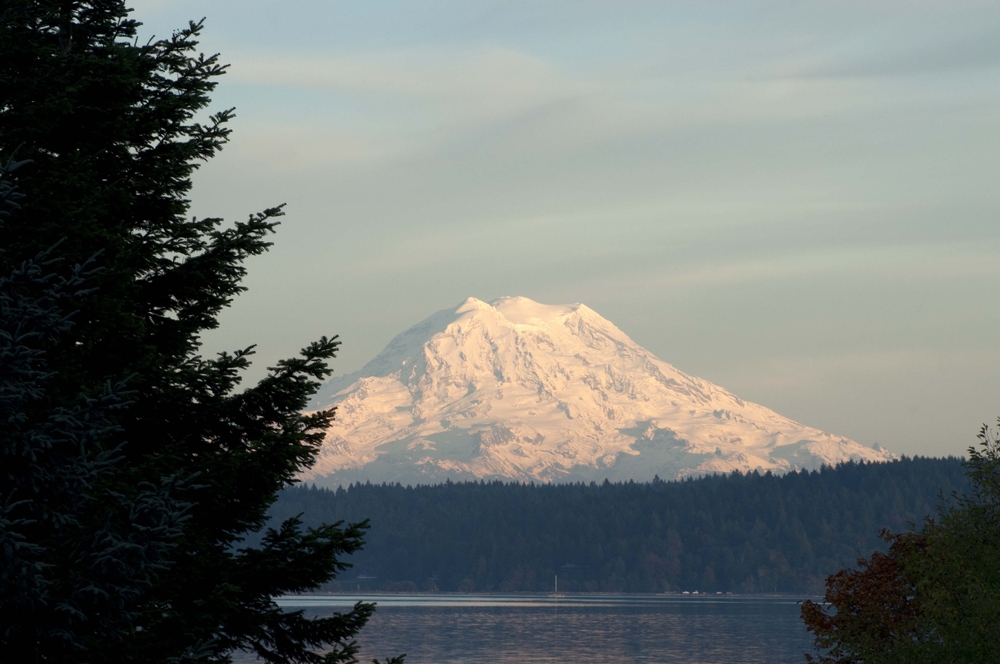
519, 390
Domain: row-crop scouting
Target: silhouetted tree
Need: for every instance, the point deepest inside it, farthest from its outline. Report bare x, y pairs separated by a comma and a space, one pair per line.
131, 466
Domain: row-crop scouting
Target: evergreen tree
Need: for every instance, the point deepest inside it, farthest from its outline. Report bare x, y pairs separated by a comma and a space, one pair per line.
132, 467
74, 556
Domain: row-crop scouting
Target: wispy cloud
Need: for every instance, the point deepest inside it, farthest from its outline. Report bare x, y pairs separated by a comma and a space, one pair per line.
490, 83
516, 105
909, 55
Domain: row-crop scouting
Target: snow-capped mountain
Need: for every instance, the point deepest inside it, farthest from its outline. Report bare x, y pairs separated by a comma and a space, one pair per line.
519, 390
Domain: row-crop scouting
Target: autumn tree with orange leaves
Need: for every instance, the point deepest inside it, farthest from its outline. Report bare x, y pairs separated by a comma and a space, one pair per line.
934, 596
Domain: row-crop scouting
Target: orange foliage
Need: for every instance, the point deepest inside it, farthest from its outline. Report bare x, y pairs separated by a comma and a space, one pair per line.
874, 606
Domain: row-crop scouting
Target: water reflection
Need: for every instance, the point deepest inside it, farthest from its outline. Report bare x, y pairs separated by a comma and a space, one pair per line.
472, 629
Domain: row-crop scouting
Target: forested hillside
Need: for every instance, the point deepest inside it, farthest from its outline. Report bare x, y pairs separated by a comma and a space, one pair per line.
736, 533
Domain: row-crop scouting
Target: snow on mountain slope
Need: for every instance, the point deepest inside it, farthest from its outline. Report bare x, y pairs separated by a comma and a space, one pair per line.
525, 391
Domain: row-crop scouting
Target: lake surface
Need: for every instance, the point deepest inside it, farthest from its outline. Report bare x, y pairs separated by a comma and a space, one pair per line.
474, 629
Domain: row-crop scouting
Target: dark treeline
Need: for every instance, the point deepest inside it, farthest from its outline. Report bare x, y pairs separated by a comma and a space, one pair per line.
738, 533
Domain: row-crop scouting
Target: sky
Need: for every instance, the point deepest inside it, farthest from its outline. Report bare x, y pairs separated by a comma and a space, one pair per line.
795, 201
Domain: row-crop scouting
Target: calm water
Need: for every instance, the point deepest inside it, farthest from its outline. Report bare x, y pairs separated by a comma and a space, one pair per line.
473, 629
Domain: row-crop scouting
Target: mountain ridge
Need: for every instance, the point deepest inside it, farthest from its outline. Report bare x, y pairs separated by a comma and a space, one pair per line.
520, 390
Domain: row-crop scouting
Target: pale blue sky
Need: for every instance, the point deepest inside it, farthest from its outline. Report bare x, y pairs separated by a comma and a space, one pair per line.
797, 201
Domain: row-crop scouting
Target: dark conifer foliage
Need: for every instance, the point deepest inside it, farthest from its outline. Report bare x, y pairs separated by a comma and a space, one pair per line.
738, 533
75, 556
131, 466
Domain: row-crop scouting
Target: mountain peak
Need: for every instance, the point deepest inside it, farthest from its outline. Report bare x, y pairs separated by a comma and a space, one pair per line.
522, 311
472, 304
521, 390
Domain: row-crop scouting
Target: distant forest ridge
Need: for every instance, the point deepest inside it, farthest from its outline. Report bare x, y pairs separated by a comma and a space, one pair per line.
723, 533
